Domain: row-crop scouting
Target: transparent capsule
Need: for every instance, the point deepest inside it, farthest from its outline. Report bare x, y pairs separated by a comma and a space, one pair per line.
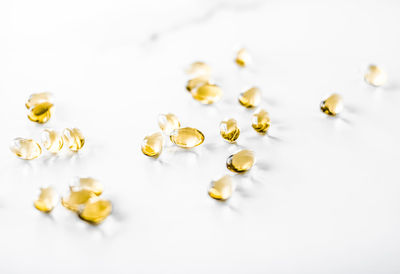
38, 98
261, 121
229, 130
47, 199
91, 184
73, 139
41, 112
250, 98
187, 137
196, 83
152, 145
52, 140
332, 105
375, 76
197, 69
96, 210
168, 122
207, 94
222, 188
241, 161
26, 149
77, 198
243, 57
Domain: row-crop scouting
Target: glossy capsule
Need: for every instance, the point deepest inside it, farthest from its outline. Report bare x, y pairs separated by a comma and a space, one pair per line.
222, 188
196, 83
241, 161
52, 140
250, 98
91, 184
77, 198
73, 139
95, 210
152, 145
47, 199
187, 137
243, 58
26, 149
197, 69
168, 122
229, 130
332, 105
38, 98
207, 93
375, 76
261, 121
41, 112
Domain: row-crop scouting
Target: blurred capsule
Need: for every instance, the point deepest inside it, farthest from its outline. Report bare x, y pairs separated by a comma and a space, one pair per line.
250, 98
38, 98
52, 140
375, 76
229, 130
152, 145
332, 105
47, 199
187, 137
41, 112
26, 149
207, 93
261, 121
95, 210
168, 122
73, 139
222, 188
241, 161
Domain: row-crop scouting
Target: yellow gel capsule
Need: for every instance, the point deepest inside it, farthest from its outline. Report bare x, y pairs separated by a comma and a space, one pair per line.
243, 58
41, 112
375, 76
91, 184
77, 198
47, 199
241, 161
52, 140
221, 189
250, 98
332, 105
207, 94
152, 145
187, 137
261, 121
38, 98
199, 69
26, 149
96, 210
229, 130
168, 122
196, 83
73, 139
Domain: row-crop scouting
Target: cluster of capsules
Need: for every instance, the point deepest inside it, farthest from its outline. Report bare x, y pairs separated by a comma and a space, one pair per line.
83, 198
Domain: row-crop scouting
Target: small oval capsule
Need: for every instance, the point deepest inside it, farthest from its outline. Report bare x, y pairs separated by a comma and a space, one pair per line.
47, 199
96, 210
52, 140
332, 105
152, 145
229, 130
73, 139
38, 98
243, 58
91, 184
241, 161
250, 98
168, 122
26, 149
41, 112
76, 198
222, 188
375, 76
261, 121
207, 94
197, 69
196, 83
187, 137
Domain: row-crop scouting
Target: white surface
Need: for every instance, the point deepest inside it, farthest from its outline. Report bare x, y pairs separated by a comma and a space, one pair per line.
324, 196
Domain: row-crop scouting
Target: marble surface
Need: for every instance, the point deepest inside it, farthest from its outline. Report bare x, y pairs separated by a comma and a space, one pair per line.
324, 195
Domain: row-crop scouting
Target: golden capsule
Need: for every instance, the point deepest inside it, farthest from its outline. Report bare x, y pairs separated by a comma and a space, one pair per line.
41, 112
91, 184
241, 161
187, 137
168, 122
199, 69
73, 139
261, 121
52, 140
375, 76
38, 98
26, 149
47, 199
229, 130
250, 98
152, 145
222, 188
196, 83
243, 58
207, 93
95, 210
332, 105
77, 198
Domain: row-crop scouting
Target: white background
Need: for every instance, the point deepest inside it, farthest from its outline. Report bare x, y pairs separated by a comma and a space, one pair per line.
324, 195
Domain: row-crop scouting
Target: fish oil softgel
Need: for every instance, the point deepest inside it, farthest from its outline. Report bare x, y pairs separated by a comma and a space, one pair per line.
241, 161
199, 69
38, 98
168, 122
91, 184
73, 139
243, 58
375, 76
261, 121
196, 82
250, 98
95, 210
332, 105
187, 137
52, 140
207, 93
26, 149
222, 188
41, 112
77, 198
152, 145
229, 130
47, 199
